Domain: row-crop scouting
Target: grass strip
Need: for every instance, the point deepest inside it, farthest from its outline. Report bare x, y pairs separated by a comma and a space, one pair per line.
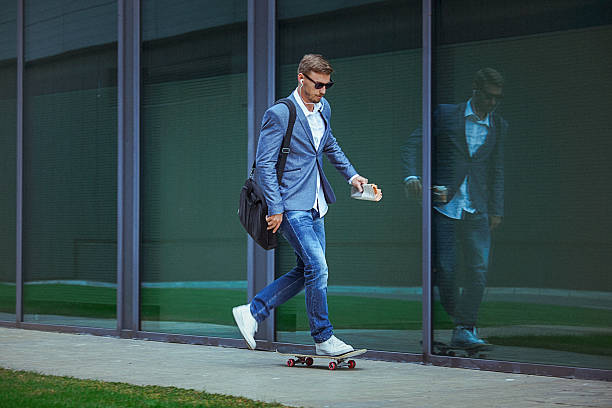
347, 311
20, 389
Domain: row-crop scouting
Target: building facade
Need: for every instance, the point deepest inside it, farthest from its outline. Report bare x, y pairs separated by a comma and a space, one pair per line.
128, 127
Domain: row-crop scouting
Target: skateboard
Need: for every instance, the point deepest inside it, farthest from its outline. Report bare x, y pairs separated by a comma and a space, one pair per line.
341, 360
444, 349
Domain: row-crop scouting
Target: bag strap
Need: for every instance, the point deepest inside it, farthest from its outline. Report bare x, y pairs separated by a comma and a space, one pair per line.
285, 150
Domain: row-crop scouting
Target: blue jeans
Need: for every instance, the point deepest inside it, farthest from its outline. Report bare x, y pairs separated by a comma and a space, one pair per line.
472, 234
305, 231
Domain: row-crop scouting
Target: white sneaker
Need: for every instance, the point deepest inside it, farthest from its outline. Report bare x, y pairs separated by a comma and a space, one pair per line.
246, 323
333, 347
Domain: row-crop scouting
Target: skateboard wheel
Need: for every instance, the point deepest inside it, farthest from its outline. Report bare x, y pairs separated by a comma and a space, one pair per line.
290, 362
333, 365
309, 361
352, 363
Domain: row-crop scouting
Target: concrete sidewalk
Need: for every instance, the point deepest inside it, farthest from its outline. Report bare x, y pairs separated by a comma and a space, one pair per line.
264, 375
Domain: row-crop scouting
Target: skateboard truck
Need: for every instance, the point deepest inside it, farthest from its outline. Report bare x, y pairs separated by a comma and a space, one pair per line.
341, 362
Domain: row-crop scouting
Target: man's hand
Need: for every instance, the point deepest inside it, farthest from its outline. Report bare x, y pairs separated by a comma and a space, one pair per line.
274, 222
358, 181
494, 221
413, 188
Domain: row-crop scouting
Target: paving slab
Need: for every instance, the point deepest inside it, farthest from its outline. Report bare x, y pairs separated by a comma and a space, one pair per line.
264, 376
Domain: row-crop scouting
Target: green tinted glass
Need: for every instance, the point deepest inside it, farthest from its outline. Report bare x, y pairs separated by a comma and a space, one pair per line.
70, 163
536, 286
193, 161
8, 165
373, 250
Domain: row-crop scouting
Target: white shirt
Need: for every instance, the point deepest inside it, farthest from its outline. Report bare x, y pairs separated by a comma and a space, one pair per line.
476, 131
317, 128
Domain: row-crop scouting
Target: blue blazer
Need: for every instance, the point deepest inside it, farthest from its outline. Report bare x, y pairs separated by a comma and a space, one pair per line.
298, 186
452, 160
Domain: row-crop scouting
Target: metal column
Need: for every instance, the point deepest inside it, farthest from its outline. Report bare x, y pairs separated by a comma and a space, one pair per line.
128, 167
19, 198
261, 94
426, 152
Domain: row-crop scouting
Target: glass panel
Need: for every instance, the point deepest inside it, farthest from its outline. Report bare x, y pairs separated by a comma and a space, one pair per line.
373, 249
543, 294
8, 165
70, 163
193, 155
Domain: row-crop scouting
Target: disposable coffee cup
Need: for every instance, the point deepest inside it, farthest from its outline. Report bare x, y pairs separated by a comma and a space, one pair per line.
440, 194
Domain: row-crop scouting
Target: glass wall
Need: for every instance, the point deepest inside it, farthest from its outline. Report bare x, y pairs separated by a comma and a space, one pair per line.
538, 160
193, 162
373, 249
520, 244
8, 165
70, 163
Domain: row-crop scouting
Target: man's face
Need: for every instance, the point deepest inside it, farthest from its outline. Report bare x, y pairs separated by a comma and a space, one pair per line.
308, 90
487, 98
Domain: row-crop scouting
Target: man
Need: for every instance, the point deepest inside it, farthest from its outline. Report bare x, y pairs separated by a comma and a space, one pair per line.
298, 204
468, 188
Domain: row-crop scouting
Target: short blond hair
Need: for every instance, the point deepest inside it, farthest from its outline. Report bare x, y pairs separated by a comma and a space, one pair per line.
314, 63
487, 76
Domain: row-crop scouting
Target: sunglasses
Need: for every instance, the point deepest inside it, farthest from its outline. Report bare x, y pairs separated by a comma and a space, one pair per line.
319, 85
490, 96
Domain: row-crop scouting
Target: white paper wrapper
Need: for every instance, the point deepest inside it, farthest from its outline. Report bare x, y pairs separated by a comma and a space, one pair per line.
371, 192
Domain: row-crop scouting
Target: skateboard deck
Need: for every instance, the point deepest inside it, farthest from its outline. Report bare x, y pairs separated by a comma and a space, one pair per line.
448, 350
299, 357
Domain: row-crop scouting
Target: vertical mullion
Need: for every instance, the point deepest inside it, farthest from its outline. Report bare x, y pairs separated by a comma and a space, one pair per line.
120, 97
19, 186
261, 26
128, 166
135, 165
270, 333
426, 154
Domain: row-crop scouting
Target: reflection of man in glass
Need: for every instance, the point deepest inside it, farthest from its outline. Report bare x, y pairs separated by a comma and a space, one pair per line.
468, 188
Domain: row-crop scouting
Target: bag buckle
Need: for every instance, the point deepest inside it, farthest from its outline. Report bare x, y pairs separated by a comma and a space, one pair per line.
285, 150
